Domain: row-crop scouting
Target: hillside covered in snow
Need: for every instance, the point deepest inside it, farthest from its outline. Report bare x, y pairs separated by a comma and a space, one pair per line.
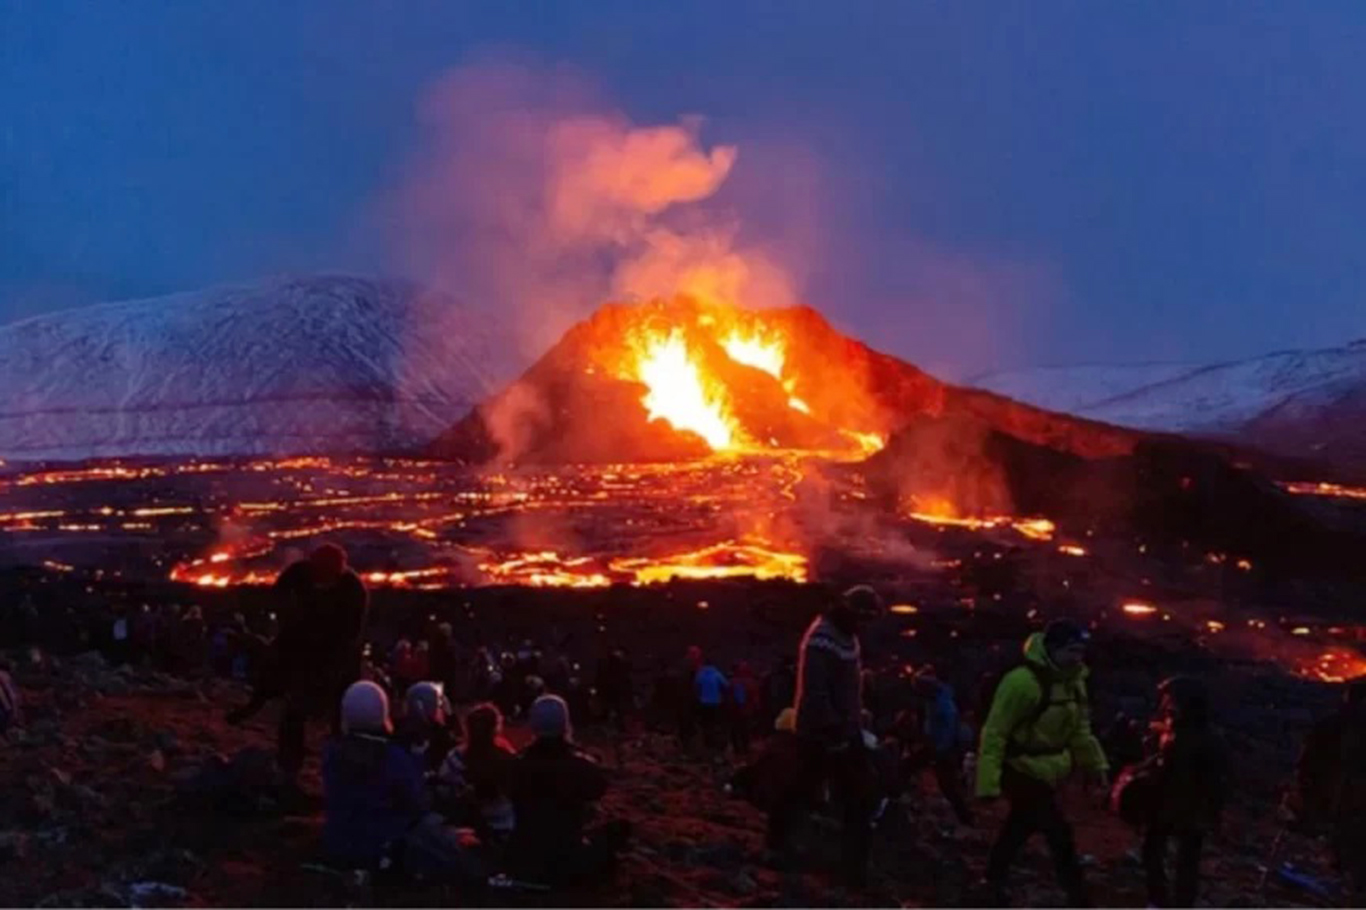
1304, 404
285, 366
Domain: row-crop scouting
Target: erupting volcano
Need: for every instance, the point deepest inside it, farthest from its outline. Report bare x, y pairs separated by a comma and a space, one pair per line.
685, 379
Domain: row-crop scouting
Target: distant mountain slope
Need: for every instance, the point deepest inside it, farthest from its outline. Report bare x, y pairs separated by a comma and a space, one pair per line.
285, 366
1298, 403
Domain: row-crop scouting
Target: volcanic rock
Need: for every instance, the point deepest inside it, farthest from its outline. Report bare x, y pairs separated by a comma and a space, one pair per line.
1166, 491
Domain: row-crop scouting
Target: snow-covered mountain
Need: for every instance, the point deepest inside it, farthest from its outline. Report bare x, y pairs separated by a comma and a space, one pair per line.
284, 366
1309, 404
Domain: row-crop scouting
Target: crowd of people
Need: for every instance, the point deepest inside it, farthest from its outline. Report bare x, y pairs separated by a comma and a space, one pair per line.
420, 778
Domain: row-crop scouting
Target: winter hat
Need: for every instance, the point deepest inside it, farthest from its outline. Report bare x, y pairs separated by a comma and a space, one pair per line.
787, 721
549, 718
426, 700
1062, 633
365, 709
863, 600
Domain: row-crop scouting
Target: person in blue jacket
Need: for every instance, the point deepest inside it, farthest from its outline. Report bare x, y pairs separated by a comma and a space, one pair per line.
373, 787
943, 740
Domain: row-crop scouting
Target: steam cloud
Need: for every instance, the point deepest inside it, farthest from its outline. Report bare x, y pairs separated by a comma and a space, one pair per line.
534, 198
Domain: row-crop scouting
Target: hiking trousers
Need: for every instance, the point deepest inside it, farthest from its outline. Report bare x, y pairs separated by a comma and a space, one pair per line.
1187, 878
1034, 809
849, 773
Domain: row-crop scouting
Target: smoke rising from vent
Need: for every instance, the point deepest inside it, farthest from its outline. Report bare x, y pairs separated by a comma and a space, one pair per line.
534, 197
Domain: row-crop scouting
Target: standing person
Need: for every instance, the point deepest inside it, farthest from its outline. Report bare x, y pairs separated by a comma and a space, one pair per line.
687, 698
744, 707
317, 654
1331, 778
1183, 797
445, 659
780, 688
1037, 731
11, 705
614, 687
829, 732
709, 694
942, 744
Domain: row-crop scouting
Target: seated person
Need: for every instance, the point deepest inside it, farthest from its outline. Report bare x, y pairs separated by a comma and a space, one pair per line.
376, 809
554, 787
423, 729
472, 784
373, 787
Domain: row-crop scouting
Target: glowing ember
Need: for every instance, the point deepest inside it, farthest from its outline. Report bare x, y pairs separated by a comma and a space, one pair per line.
677, 393
1326, 489
1072, 550
1138, 608
1033, 528
868, 442
1335, 665
905, 609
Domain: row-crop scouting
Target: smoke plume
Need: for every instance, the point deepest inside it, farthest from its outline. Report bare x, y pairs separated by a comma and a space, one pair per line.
533, 197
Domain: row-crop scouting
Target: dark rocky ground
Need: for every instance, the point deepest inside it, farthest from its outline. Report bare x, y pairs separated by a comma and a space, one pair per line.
93, 812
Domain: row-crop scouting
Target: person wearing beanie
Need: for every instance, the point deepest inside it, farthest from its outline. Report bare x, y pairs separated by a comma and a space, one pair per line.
1036, 732
829, 707
372, 787
554, 787
423, 728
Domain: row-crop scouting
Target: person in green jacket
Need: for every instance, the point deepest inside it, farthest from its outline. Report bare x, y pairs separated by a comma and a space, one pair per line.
1037, 731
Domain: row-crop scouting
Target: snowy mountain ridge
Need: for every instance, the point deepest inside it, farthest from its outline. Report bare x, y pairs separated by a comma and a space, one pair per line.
1301, 403
291, 365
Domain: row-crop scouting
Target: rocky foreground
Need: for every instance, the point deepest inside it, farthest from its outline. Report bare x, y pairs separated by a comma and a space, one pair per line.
98, 802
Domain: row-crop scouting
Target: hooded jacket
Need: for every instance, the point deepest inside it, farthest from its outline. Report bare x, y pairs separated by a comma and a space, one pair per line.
829, 673
1050, 746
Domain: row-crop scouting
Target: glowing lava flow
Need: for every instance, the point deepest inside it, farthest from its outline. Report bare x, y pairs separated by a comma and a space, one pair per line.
1326, 489
678, 395
729, 559
769, 356
1033, 528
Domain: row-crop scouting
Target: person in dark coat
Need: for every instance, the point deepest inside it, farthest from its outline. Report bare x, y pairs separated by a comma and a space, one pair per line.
829, 731
554, 788
1331, 778
780, 688
614, 687
317, 653
373, 787
1189, 783
935, 740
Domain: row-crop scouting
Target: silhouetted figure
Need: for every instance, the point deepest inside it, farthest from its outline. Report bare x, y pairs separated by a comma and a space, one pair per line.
554, 788
317, 654
1185, 797
1331, 777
